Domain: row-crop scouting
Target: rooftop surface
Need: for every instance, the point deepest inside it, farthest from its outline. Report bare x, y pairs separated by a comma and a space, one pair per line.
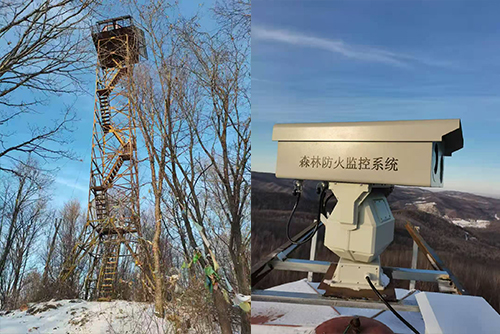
443, 313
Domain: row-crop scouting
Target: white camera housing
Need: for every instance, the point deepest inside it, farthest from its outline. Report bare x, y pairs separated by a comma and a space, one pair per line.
406, 153
360, 161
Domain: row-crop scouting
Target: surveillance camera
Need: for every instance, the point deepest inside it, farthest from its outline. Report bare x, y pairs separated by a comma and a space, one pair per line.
361, 162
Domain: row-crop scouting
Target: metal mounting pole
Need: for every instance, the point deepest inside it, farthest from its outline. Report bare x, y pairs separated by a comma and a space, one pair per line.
312, 254
414, 259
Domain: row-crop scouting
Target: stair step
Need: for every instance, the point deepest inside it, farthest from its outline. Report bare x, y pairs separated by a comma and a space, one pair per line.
103, 92
116, 77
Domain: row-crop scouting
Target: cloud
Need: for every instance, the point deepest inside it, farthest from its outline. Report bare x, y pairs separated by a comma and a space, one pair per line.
362, 53
71, 184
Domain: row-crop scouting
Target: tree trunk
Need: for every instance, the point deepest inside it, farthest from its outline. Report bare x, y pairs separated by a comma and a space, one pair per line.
10, 235
222, 312
240, 269
159, 311
50, 253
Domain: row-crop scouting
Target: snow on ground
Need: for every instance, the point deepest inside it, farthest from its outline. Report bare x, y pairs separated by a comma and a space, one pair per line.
78, 316
471, 223
429, 207
270, 317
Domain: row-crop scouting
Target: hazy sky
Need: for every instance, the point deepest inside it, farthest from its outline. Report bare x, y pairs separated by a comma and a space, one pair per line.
339, 61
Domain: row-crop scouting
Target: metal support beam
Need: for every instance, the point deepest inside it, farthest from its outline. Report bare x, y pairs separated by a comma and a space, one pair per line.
312, 255
414, 260
263, 267
322, 267
315, 299
433, 258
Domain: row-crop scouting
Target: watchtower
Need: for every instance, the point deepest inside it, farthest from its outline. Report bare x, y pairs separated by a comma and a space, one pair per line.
112, 230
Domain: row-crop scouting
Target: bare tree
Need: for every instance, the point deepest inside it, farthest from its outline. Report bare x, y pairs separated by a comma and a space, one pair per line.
235, 16
157, 89
223, 133
45, 50
31, 222
72, 221
47, 271
149, 114
24, 204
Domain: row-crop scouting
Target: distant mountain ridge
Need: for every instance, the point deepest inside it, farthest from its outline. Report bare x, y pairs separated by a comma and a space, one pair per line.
451, 205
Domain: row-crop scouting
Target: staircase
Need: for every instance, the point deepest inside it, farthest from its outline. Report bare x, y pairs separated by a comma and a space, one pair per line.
118, 75
101, 203
106, 280
114, 170
103, 96
101, 200
104, 108
109, 269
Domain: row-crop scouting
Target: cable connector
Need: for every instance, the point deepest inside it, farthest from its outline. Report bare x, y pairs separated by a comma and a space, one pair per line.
297, 187
321, 187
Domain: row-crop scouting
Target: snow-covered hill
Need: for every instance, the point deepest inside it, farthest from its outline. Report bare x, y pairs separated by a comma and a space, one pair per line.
78, 316
460, 208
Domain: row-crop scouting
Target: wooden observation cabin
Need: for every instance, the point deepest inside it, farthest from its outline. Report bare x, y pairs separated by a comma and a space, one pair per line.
118, 41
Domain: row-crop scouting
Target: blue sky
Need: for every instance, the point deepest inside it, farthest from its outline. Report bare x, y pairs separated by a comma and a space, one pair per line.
72, 176
339, 61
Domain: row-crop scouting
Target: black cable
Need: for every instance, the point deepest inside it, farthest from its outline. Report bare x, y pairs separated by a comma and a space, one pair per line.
290, 219
390, 307
326, 203
318, 219
296, 242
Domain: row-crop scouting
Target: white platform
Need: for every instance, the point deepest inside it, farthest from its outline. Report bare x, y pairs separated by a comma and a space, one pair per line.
270, 318
439, 313
457, 314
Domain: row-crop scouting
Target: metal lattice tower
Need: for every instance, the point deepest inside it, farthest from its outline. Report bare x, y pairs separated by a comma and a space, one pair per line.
112, 230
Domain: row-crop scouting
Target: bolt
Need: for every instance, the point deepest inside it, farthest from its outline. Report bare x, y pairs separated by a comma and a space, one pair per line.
356, 324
